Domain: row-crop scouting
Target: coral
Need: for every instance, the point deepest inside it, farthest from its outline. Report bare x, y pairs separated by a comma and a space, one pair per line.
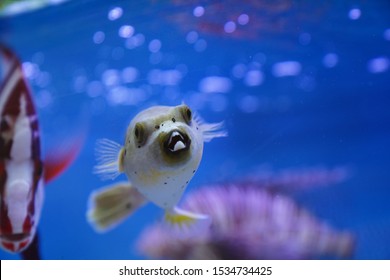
247, 222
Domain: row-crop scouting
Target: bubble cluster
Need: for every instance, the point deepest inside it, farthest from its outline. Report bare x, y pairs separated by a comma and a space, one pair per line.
115, 13
243, 19
254, 78
386, 34
126, 31
192, 37
164, 77
39, 78
199, 44
230, 27
154, 45
119, 86
130, 74
198, 11
354, 14
98, 37
125, 96
95, 89
330, 60
249, 104
239, 71
111, 77
31, 70
378, 65
215, 84
286, 68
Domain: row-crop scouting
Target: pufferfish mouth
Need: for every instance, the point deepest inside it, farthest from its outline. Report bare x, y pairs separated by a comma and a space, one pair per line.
176, 142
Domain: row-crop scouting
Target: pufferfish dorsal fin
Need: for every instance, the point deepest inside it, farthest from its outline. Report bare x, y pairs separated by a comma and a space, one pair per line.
109, 156
210, 130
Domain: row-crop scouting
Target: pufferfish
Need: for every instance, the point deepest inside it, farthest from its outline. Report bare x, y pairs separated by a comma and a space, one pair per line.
161, 153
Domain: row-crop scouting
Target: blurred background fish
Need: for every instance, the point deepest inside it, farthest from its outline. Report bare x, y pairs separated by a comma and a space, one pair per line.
22, 172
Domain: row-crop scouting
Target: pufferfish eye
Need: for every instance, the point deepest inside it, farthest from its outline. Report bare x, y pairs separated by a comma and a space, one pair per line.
186, 113
140, 133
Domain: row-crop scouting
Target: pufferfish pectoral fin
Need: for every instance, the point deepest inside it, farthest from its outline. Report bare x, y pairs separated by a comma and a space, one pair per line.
210, 130
113, 204
181, 217
109, 156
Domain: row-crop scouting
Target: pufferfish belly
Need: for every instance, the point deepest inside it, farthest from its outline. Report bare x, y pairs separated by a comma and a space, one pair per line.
164, 188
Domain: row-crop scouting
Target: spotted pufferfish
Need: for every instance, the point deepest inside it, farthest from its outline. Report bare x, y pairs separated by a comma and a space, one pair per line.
162, 151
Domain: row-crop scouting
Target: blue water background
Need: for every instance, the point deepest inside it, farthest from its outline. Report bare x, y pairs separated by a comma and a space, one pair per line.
324, 115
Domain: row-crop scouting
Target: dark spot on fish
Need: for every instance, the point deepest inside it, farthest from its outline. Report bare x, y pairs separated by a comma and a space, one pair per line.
165, 183
162, 124
186, 182
173, 119
125, 151
38, 169
128, 205
197, 128
183, 187
135, 172
157, 126
139, 147
193, 171
4, 125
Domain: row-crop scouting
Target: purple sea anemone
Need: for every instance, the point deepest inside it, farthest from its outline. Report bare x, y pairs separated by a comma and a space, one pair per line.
247, 222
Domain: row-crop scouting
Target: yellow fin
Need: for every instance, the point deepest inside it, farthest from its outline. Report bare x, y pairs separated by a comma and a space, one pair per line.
181, 217
113, 204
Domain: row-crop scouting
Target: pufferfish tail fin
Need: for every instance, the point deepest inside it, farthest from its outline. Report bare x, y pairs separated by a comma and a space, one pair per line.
111, 205
109, 156
210, 130
181, 217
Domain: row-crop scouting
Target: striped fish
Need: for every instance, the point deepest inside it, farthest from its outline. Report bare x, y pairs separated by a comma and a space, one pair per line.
23, 173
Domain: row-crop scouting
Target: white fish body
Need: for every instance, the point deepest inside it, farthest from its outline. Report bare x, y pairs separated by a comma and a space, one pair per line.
162, 151
21, 183
23, 173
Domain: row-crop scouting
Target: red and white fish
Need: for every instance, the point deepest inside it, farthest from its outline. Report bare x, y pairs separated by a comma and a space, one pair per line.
23, 173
